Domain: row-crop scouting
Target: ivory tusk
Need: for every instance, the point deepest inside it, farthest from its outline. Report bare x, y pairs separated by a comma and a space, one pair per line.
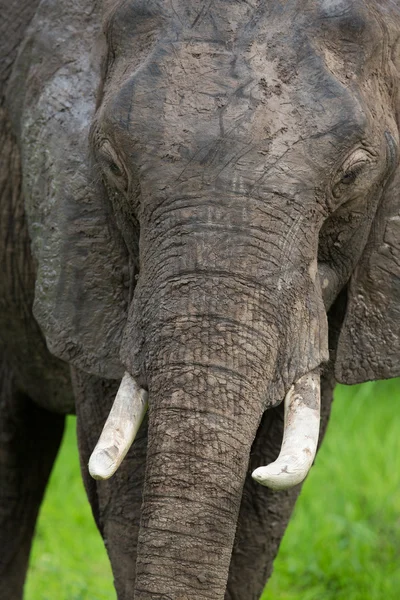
300, 436
122, 425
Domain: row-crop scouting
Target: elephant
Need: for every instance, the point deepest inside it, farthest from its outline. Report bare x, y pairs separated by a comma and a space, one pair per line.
199, 213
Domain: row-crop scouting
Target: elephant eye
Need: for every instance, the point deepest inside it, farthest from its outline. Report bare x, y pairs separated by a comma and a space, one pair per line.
351, 175
115, 170
348, 177
116, 174
111, 164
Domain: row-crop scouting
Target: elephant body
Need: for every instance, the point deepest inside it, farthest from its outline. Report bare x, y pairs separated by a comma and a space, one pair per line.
204, 196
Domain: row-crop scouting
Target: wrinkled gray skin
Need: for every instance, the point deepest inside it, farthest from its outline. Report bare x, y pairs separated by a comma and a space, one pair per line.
186, 189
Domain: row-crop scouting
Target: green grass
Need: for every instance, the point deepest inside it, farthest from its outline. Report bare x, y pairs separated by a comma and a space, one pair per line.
343, 542
68, 560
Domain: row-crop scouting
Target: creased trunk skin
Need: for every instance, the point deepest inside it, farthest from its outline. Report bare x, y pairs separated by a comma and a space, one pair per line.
208, 387
197, 459
207, 382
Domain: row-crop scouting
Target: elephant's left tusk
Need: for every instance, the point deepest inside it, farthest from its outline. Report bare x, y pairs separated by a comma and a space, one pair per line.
300, 436
121, 427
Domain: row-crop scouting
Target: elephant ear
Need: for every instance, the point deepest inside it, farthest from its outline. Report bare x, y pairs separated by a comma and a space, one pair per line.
80, 296
369, 342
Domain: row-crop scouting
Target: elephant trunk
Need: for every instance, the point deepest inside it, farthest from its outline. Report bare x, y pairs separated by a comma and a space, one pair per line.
209, 381
205, 405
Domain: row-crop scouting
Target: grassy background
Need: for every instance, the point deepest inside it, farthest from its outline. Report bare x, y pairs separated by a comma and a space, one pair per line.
343, 542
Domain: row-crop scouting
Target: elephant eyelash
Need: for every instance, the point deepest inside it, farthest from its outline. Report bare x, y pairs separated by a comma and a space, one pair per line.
351, 175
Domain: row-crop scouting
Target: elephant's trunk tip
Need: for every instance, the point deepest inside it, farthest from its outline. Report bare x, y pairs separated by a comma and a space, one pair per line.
120, 430
300, 437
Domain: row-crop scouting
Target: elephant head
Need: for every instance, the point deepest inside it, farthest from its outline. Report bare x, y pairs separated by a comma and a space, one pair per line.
245, 156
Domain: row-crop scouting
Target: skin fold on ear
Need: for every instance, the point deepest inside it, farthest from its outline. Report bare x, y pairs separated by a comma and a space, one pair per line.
369, 342
82, 282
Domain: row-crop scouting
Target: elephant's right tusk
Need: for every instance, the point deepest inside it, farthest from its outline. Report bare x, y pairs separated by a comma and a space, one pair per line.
121, 427
300, 436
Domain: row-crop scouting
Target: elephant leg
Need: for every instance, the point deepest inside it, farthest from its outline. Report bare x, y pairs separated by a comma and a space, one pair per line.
115, 503
30, 437
264, 514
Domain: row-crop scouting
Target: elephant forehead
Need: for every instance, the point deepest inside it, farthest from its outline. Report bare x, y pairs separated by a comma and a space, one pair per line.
213, 107
238, 69
230, 105
194, 101
235, 99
